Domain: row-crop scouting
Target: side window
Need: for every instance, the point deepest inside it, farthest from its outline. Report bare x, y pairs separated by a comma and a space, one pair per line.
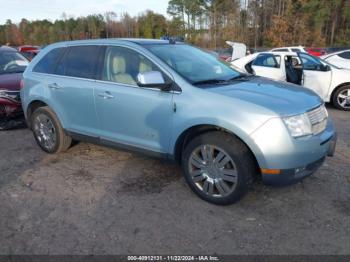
345, 55
122, 65
48, 63
267, 60
296, 50
79, 61
311, 63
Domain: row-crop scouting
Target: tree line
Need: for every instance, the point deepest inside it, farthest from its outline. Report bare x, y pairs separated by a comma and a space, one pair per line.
207, 23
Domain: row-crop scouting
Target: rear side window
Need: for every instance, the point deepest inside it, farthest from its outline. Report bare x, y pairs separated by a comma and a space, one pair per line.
80, 61
49, 62
267, 60
280, 50
345, 55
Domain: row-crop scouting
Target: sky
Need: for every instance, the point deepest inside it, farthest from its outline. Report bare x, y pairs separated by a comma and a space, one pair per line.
53, 9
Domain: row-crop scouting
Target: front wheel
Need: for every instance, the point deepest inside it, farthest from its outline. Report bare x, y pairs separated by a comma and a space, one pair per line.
48, 131
218, 167
341, 98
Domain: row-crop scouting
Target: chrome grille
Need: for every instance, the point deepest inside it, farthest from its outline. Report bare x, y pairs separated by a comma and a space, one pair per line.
318, 118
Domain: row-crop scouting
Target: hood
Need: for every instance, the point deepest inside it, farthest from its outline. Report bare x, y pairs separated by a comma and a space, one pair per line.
10, 81
279, 97
341, 73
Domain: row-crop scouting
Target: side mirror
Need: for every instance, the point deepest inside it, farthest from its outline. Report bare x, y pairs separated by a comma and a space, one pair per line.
326, 68
152, 79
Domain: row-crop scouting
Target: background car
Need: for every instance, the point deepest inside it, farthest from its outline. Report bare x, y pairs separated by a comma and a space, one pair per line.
25, 48
340, 59
28, 51
331, 83
12, 65
289, 49
331, 50
224, 54
30, 54
316, 51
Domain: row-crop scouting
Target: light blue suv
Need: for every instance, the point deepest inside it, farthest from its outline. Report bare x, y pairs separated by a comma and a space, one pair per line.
175, 101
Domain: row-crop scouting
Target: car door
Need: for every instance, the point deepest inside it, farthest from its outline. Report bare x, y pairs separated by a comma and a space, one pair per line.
130, 115
71, 89
316, 75
269, 65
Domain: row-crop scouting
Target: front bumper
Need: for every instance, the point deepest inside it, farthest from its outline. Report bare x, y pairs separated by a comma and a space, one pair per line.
293, 175
284, 159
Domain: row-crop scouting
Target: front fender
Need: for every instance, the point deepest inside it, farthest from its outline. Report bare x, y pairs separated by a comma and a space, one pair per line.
221, 124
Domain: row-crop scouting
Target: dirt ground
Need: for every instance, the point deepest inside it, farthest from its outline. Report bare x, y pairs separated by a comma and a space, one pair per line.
94, 200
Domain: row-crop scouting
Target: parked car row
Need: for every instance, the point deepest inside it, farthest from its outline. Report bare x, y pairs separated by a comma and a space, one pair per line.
330, 82
174, 101
315, 51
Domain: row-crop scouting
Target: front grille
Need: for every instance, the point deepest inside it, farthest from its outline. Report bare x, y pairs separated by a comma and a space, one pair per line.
318, 118
2, 110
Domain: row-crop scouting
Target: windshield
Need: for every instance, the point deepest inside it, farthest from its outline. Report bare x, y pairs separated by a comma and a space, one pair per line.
327, 63
12, 62
193, 64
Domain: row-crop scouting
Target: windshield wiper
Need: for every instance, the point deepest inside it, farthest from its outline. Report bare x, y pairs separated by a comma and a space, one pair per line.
241, 77
209, 81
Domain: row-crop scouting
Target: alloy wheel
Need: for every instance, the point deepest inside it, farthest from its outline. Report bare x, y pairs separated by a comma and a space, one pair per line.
45, 131
213, 171
344, 98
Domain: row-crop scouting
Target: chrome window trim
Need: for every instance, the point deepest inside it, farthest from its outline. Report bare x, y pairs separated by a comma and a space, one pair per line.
137, 87
108, 82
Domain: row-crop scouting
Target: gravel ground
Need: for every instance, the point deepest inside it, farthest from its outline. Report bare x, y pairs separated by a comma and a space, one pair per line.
93, 200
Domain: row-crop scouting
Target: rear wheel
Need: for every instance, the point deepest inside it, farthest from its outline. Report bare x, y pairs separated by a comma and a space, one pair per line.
48, 131
218, 167
341, 98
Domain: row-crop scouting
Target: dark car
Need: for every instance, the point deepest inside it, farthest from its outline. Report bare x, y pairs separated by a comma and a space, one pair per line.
29, 51
316, 51
12, 65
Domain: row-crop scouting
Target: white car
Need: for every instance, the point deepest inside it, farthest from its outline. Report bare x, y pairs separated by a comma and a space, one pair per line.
239, 50
289, 49
330, 82
340, 59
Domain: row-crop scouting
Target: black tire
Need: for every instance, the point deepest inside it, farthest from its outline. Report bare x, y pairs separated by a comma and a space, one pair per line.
239, 153
335, 99
62, 140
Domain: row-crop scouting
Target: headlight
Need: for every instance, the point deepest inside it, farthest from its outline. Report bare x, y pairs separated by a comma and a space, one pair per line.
298, 125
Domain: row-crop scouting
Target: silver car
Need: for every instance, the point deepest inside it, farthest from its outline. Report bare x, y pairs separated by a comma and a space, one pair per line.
174, 101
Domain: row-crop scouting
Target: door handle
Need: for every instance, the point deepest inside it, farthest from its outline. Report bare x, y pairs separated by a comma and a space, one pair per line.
54, 86
106, 95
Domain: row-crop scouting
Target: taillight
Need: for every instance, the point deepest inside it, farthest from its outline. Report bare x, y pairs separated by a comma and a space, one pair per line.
21, 84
